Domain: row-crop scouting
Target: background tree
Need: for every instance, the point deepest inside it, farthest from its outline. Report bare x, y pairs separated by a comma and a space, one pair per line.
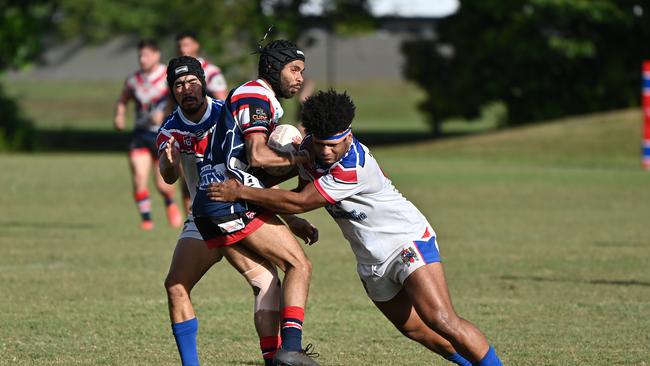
541, 58
229, 31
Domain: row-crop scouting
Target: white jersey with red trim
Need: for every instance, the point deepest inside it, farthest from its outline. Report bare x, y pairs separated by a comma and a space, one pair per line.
192, 139
149, 91
372, 214
214, 79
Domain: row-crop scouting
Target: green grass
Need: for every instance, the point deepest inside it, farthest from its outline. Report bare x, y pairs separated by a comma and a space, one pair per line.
543, 232
90, 105
68, 104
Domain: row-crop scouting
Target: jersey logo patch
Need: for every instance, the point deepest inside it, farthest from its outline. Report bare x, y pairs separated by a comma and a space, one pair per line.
409, 256
258, 114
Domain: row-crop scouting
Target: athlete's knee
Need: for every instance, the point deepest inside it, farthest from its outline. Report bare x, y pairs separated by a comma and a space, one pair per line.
176, 291
265, 283
444, 322
302, 264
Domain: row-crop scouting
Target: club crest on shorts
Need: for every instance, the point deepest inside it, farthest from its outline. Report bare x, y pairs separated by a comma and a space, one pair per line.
409, 256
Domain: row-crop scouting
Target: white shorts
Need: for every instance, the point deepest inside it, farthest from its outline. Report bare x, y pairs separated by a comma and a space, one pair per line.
190, 230
383, 281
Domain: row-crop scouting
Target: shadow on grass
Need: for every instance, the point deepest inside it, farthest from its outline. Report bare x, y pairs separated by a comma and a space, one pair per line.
113, 141
572, 280
45, 225
82, 140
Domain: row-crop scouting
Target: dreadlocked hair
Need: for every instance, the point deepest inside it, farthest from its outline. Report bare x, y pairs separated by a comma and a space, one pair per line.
327, 112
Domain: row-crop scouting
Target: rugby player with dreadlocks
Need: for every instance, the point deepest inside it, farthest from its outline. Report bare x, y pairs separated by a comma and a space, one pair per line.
238, 148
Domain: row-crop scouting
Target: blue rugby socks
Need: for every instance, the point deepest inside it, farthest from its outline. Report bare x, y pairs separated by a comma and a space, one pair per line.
490, 359
458, 360
185, 334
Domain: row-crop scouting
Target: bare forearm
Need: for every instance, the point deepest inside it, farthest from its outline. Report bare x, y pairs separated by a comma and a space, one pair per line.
120, 109
277, 200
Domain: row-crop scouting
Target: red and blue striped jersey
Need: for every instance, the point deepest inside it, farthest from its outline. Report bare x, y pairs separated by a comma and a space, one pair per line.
249, 109
149, 92
192, 139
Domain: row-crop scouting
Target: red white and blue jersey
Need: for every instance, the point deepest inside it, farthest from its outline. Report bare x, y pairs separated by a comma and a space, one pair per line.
149, 91
214, 79
372, 214
192, 138
252, 108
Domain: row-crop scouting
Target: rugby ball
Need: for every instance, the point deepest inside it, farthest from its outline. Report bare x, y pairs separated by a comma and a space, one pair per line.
281, 140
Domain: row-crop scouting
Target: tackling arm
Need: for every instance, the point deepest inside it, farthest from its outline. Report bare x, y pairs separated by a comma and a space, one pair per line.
277, 200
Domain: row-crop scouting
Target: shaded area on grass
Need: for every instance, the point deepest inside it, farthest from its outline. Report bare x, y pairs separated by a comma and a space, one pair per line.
576, 280
46, 225
114, 141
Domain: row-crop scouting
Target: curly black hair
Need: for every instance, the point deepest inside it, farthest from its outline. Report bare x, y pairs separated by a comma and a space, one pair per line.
327, 112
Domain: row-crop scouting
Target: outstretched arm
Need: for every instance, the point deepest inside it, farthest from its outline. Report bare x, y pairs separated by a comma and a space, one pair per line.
277, 200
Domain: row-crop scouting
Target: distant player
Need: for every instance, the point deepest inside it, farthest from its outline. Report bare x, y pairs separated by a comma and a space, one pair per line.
238, 147
182, 141
147, 87
187, 44
395, 247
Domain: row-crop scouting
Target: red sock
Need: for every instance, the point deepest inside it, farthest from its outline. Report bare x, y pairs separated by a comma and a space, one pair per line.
269, 345
144, 204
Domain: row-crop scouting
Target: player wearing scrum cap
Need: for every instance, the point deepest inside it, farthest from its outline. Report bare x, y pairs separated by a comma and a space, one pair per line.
237, 148
396, 249
181, 141
187, 44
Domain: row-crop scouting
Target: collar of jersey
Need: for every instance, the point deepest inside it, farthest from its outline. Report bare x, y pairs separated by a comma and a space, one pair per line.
206, 115
265, 85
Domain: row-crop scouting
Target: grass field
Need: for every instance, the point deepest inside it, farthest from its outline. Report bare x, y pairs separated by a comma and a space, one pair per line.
89, 105
543, 232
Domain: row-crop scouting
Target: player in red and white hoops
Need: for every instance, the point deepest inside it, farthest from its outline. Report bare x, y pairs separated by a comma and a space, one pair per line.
147, 87
397, 254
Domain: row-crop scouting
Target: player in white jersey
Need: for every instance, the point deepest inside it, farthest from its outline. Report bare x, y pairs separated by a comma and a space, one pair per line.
187, 44
182, 141
147, 87
396, 250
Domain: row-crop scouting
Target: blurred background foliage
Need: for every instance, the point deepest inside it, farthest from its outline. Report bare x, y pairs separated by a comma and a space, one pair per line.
519, 61
541, 58
226, 28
